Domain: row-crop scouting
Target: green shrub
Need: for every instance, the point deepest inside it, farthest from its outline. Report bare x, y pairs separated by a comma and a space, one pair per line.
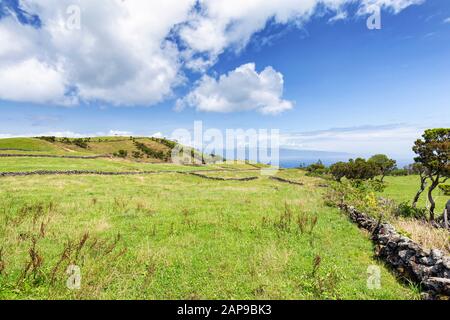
150, 152
49, 139
121, 154
399, 172
316, 169
405, 210
138, 155
82, 143
168, 143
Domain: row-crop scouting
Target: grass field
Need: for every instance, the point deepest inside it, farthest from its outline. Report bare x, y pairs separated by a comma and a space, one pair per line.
175, 236
16, 164
404, 189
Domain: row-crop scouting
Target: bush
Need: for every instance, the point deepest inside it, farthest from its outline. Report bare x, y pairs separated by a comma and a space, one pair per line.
138, 155
49, 139
445, 188
399, 172
339, 170
405, 210
168, 143
316, 169
150, 152
373, 185
66, 140
356, 170
82, 143
360, 169
121, 154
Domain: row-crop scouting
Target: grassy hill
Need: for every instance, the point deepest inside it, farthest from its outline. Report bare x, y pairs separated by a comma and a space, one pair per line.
28, 145
99, 146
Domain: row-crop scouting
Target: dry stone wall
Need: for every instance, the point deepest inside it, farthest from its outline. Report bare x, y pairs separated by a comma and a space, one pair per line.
286, 181
8, 155
429, 268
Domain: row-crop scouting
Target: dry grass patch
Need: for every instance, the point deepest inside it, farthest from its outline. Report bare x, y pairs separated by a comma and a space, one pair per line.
424, 234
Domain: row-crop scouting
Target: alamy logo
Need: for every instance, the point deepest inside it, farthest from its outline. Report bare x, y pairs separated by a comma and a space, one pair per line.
374, 20
74, 280
373, 277
214, 145
73, 21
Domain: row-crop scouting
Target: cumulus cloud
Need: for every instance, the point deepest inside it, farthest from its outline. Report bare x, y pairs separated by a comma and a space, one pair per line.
394, 5
43, 83
134, 52
242, 89
119, 55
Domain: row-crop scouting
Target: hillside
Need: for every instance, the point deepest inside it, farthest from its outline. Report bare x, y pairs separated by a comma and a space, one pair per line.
141, 149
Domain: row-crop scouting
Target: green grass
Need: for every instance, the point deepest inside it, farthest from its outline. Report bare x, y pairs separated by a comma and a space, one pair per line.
182, 237
405, 188
27, 144
96, 146
13, 164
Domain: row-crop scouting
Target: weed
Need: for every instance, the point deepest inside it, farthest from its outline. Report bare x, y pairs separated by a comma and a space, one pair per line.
316, 265
32, 267
322, 283
2, 262
304, 221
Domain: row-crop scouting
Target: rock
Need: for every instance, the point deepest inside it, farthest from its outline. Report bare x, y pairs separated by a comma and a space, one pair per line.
446, 262
430, 268
391, 244
436, 254
406, 255
440, 285
426, 261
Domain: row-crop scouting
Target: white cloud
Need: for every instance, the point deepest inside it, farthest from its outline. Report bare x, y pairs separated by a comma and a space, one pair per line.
447, 20
123, 54
230, 24
119, 55
394, 5
31, 80
242, 89
157, 135
342, 15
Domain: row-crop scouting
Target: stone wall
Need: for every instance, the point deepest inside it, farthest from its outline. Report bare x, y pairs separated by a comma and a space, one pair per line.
8, 155
117, 173
73, 172
286, 181
222, 179
430, 269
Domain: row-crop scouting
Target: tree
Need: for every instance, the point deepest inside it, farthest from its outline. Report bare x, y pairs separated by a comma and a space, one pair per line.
418, 168
360, 169
433, 152
384, 164
339, 170
317, 168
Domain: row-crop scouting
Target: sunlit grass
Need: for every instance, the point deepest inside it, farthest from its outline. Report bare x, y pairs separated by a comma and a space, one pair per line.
181, 237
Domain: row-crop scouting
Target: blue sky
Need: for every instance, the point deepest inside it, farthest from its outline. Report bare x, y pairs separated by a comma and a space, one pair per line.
345, 88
